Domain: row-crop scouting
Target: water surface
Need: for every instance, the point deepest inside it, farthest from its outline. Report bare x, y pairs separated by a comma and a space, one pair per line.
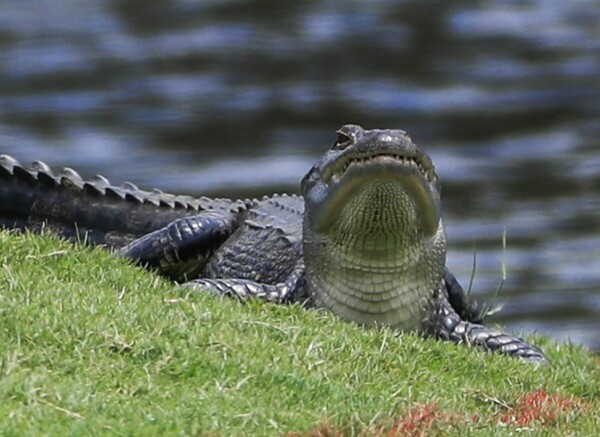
239, 98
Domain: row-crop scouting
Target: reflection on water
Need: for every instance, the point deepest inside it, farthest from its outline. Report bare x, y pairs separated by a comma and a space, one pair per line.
239, 98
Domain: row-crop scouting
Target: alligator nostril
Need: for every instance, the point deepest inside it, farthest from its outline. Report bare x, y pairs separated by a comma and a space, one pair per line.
342, 141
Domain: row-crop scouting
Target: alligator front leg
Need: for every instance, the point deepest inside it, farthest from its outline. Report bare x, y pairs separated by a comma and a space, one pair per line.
181, 249
292, 290
448, 325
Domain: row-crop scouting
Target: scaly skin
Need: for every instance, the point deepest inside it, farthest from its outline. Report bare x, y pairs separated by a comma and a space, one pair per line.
105, 214
365, 242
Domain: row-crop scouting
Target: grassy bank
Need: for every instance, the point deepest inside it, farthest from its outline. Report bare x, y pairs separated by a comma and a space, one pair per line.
91, 345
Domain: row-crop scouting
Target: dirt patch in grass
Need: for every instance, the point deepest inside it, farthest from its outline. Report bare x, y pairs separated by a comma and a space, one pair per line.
420, 420
540, 407
532, 410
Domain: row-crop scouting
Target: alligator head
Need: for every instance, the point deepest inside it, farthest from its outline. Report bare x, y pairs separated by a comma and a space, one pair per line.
374, 239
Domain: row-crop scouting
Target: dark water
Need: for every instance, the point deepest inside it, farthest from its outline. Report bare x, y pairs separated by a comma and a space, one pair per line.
239, 98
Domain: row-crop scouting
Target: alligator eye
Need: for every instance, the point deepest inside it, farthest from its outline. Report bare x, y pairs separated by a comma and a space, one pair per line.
342, 141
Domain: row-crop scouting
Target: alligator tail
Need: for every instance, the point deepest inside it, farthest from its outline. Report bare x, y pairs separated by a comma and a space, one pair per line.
92, 211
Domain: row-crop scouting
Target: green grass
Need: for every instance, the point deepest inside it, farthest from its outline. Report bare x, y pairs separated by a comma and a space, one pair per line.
91, 345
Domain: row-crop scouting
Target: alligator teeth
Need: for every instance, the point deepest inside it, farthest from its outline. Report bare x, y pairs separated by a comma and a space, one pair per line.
404, 160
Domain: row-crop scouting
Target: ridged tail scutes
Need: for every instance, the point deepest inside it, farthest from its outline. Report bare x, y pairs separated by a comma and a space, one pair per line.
36, 198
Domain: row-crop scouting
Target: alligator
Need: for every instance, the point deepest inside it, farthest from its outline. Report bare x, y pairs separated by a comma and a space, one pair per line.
365, 241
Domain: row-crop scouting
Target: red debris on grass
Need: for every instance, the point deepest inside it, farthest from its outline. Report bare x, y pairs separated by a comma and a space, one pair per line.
534, 408
321, 430
421, 420
540, 407
418, 421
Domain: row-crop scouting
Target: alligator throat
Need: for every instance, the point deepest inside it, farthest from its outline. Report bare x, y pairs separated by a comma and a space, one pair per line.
374, 264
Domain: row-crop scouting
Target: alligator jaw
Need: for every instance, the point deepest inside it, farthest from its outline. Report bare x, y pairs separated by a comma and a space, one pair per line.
339, 167
399, 177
